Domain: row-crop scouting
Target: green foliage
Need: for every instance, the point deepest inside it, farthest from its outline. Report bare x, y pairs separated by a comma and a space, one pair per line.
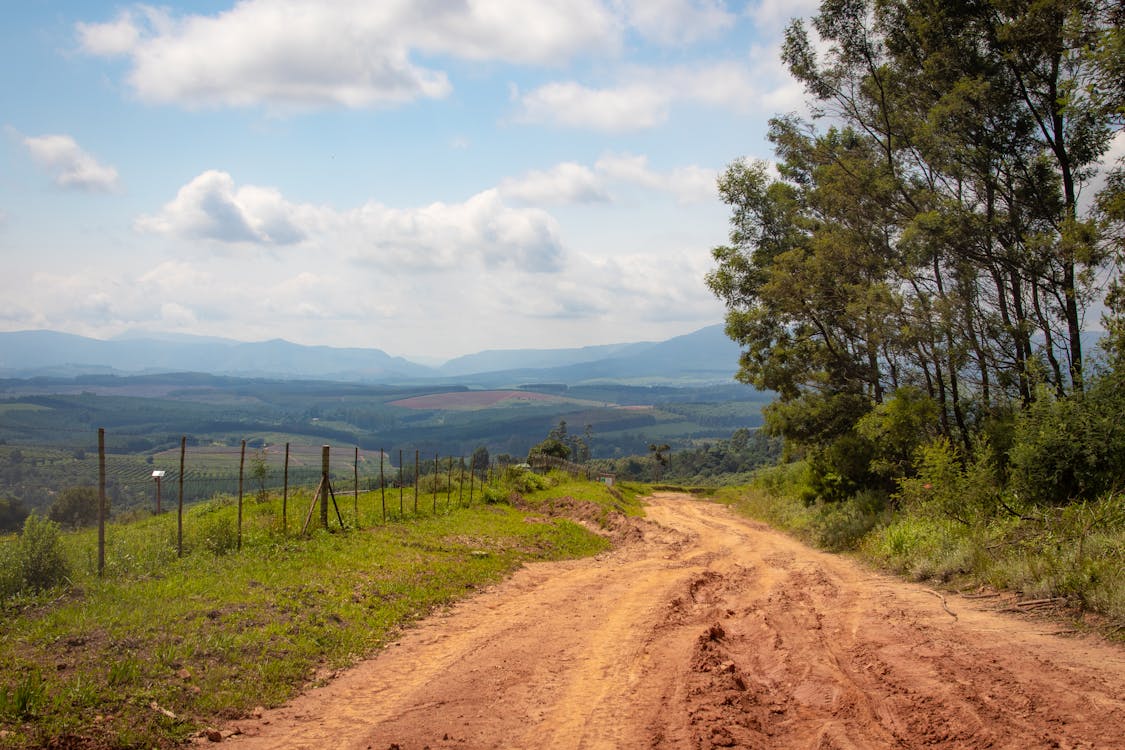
76, 507
815, 418
12, 514
551, 447
896, 428
523, 480
480, 459
1071, 447
843, 525
34, 561
949, 486
840, 469
216, 530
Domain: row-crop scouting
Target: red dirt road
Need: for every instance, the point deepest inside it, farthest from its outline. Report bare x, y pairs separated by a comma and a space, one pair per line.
714, 631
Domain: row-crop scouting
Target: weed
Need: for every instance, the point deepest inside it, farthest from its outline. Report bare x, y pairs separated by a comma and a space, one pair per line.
23, 699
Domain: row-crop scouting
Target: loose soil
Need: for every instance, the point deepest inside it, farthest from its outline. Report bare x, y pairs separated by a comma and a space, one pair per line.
707, 630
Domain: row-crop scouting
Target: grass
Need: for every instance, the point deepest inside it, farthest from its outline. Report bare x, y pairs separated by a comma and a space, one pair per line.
219, 631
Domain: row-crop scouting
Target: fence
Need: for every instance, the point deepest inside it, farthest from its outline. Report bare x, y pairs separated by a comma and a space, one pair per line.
174, 481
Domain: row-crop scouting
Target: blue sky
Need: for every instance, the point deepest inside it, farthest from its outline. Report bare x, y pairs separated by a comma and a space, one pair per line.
427, 177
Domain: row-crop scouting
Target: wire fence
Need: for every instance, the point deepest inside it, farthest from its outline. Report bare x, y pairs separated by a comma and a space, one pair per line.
389, 479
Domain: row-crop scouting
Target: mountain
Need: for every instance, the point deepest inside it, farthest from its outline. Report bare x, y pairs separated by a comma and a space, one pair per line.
497, 360
705, 356
38, 353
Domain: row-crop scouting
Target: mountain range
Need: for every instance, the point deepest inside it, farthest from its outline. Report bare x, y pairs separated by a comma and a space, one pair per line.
704, 356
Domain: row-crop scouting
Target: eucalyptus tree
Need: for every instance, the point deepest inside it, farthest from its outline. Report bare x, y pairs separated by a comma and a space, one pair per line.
934, 235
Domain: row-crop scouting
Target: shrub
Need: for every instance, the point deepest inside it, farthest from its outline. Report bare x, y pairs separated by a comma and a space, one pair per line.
1071, 448
842, 526
948, 487
841, 469
75, 507
35, 560
12, 514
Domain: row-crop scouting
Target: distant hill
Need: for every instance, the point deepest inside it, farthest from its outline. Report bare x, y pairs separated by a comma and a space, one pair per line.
48, 353
498, 360
705, 356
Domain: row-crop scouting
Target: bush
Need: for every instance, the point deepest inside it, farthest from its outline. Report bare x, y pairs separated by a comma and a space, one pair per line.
842, 526
35, 560
947, 487
1071, 448
75, 507
12, 514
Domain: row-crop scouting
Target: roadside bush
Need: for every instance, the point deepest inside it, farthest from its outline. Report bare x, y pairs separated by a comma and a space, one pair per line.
841, 469
1076, 551
948, 487
843, 525
1071, 448
896, 428
924, 547
524, 480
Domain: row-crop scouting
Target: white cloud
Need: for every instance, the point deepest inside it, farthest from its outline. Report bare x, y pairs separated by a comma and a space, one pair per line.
629, 107
70, 166
776, 14
482, 230
562, 184
209, 207
299, 54
678, 21
644, 97
690, 184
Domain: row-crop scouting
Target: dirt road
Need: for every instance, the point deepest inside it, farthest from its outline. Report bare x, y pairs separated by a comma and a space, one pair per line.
714, 631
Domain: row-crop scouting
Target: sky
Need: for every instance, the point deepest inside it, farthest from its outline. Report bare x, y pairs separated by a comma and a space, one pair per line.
427, 177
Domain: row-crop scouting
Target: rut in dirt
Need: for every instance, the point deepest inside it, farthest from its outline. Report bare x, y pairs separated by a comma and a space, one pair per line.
706, 631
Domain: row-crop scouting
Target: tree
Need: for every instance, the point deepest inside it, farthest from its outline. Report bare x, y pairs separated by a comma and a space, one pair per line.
259, 473
661, 455
551, 447
480, 459
12, 514
932, 238
75, 507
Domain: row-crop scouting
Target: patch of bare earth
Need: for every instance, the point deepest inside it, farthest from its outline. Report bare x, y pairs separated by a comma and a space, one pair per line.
712, 631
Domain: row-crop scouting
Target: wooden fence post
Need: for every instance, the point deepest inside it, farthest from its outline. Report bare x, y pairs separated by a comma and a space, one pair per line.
241, 465
461, 485
180, 510
436, 470
324, 465
416, 454
382, 486
355, 497
400, 508
285, 493
101, 500
449, 483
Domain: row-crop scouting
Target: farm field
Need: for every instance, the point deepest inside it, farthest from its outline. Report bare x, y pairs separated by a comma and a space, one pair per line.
48, 428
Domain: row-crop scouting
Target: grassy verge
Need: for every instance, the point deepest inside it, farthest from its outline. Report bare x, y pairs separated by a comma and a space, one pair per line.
1075, 553
161, 646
